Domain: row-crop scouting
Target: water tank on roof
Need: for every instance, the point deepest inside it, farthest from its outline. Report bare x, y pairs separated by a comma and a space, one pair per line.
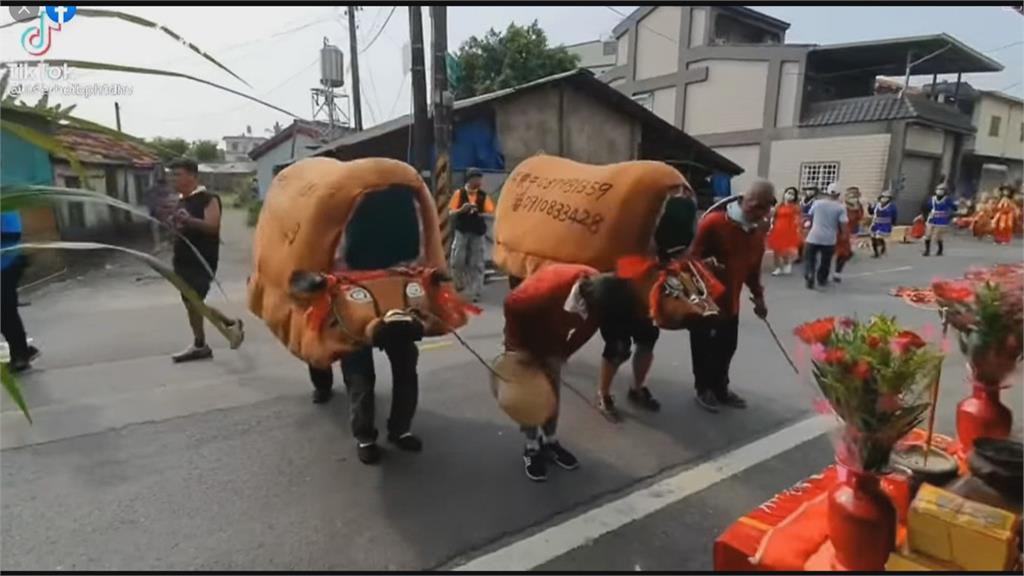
332, 66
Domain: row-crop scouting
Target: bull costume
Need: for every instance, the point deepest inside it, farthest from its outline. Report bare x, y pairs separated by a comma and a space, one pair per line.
554, 210
940, 214
332, 283
883, 215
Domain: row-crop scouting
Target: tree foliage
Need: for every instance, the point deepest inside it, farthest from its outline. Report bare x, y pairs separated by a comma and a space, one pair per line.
507, 59
171, 147
206, 151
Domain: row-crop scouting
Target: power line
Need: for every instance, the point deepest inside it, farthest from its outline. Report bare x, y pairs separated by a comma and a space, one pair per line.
398, 96
385, 25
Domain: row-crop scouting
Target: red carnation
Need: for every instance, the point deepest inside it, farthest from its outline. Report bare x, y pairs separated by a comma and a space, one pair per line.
862, 369
835, 356
817, 331
907, 341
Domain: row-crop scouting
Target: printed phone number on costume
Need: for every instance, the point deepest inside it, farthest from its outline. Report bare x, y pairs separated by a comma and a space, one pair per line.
588, 188
559, 211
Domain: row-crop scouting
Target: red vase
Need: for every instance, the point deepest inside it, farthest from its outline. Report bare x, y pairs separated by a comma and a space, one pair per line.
861, 522
981, 415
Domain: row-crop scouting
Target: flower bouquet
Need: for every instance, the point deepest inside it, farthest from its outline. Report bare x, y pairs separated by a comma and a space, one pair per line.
988, 317
877, 378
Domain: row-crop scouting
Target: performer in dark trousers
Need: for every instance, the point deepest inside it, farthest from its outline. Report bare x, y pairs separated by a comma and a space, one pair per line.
12, 265
735, 238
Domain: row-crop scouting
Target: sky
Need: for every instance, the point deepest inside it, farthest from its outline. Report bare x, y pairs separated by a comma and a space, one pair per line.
276, 50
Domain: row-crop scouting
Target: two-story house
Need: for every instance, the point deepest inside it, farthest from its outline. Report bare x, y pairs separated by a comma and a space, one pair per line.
799, 114
237, 148
995, 155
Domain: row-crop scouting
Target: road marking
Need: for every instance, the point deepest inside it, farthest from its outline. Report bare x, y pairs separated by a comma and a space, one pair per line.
435, 345
876, 272
535, 550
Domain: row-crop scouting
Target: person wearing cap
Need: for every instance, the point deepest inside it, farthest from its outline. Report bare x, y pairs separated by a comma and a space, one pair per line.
828, 221
468, 206
940, 213
883, 215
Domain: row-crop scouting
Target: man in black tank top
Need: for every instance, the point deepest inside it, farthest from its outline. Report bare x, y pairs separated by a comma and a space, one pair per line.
198, 220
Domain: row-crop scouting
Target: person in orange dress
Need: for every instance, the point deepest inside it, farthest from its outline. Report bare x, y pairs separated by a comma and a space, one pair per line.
1006, 214
844, 242
981, 225
784, 237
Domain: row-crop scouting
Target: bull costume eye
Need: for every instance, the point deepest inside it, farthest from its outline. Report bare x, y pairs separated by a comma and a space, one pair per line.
359, 295
414, 290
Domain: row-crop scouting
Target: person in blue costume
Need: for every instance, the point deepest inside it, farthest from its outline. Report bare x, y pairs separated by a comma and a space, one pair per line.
12, 264
940, 214
883, 216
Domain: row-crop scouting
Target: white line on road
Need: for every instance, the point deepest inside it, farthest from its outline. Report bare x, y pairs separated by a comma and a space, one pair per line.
877, 272
533, 551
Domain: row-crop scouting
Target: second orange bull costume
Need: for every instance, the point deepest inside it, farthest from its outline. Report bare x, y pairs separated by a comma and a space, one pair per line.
582, 236
332, 283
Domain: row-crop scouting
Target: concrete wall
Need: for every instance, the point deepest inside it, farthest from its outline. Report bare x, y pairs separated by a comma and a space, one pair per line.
665, 104
790, 82
623, 51
595, 133
925, 139
296, 146
588, 131
1008, 143
748, 158
862, 160
731, 99
698, 27
99, 219
656, 54
592, 55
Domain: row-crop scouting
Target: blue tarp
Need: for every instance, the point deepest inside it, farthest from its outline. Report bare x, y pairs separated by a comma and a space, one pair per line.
475, 145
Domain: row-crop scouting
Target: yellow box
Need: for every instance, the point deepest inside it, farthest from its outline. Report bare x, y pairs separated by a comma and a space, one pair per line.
905, 561
952, 529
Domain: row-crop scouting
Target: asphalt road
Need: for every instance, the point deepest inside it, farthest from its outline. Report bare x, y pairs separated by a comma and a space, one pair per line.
134, 463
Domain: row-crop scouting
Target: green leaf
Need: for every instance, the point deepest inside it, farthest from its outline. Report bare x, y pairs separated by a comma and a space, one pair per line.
17, 196
151, 261
88, 65
140, 21
13, 390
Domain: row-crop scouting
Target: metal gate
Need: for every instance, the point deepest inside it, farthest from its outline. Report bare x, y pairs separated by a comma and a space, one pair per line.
919, 174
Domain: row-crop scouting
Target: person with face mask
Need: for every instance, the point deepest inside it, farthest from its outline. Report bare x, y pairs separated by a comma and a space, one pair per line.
735, 238
784, 237
940, 214
883, 215
844, 241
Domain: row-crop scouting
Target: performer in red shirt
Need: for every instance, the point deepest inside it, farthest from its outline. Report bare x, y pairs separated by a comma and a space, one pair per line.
735, 238
550, 315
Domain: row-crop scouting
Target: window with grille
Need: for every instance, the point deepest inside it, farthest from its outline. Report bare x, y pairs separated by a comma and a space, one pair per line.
993, 126
818, 174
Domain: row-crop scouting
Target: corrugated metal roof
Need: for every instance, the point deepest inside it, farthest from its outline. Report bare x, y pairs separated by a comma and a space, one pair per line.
883, 107
580, 76
312, 128
934, 54
99, 148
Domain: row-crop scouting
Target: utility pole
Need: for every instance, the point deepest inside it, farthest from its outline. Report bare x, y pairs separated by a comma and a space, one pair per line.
357, 101
421, 124
442, 100
117, 115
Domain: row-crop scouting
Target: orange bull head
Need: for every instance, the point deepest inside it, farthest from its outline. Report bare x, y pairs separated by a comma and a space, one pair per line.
678, 293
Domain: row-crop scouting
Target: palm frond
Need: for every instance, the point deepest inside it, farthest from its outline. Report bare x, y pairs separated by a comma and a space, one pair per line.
151, 261
140, 21
16, 197
10, 385
89, 65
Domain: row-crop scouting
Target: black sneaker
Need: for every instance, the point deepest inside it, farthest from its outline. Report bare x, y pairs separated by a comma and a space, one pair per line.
536, 464
368, 453
21, 364
560, 456
643, 398
408, 442
707, 401
606, 406
322, 395
810, 283
733, 400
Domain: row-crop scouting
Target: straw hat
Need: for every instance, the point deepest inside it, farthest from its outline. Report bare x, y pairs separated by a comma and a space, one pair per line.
524, 390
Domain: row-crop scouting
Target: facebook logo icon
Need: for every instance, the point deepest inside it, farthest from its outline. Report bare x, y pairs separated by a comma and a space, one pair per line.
61, 14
